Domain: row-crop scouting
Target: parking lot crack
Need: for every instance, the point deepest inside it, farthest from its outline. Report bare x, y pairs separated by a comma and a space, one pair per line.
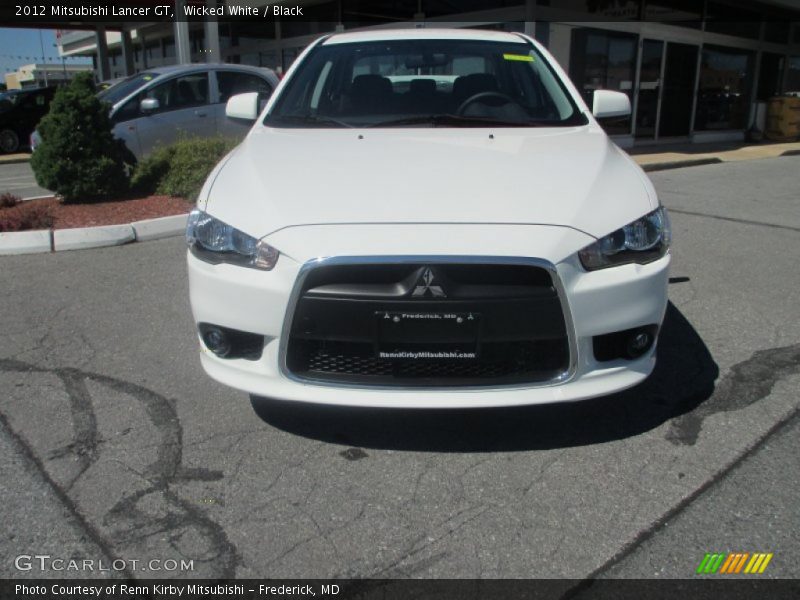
733, 219
126, 524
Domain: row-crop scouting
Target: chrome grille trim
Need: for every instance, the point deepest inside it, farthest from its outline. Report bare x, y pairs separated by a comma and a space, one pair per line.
307, 267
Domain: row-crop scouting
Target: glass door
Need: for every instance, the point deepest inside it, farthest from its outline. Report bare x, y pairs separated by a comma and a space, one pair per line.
649, 93
677, 97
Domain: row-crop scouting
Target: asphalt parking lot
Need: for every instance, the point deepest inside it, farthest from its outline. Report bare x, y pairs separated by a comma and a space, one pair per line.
116, 445
18, 179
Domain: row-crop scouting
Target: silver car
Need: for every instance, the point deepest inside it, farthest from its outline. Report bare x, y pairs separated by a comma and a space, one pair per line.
157, 106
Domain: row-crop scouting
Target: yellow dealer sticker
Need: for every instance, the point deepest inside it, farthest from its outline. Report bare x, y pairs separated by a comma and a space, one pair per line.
519, 57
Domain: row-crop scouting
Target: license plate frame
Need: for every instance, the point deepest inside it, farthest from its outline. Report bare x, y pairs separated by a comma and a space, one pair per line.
427, 335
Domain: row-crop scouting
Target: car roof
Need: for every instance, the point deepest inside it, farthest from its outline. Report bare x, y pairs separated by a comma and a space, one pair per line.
162, 72
171, 69
383, 35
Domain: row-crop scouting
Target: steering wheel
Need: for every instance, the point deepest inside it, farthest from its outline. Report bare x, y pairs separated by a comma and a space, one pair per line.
482, 96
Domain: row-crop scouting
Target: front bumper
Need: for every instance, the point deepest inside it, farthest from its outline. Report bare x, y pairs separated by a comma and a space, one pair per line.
595, 303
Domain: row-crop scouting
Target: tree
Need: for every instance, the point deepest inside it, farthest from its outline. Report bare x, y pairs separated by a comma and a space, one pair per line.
79, 158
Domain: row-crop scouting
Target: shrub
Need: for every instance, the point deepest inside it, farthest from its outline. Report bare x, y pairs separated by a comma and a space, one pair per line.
148, 173
78, 157
9, 200
26, 216
181, 168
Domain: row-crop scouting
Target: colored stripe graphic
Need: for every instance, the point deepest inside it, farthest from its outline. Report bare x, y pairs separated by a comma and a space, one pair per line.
767, 558
703, 563
758, 563
741, 562
732, 563
732, 560
710, 563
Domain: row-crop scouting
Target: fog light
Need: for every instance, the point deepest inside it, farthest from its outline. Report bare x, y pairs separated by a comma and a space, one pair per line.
216, 341
639, 343
231, 343
629, 344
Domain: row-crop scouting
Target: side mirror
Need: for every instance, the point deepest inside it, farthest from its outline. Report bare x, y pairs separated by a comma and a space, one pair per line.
149, 105
608, 104
243, 106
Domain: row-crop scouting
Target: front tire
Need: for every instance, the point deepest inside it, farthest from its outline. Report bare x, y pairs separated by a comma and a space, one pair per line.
9, 141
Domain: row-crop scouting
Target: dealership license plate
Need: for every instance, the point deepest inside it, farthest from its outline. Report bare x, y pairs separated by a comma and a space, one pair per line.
427, 335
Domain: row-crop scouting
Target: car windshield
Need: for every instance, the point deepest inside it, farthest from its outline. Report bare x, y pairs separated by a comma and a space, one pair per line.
9, 100
125, 88
424, 83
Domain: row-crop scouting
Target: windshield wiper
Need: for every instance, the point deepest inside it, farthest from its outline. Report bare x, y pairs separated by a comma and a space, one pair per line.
455, 121
309, 120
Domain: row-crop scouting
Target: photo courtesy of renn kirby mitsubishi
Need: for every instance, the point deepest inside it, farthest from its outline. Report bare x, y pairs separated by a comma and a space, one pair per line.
428, 218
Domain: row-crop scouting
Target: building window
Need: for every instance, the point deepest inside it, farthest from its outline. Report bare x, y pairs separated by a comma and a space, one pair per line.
793, 75
769, 75
723, 95
603, 60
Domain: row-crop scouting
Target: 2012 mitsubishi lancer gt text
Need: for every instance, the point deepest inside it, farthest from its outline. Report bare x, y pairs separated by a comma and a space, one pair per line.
428, 218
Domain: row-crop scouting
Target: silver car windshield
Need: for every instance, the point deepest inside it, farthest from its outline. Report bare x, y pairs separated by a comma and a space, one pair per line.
125, 88
425, 83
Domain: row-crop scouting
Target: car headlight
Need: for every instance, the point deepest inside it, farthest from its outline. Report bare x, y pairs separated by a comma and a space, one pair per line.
643, 241
216, 242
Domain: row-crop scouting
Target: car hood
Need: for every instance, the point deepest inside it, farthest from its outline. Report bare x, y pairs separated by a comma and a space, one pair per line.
574, 177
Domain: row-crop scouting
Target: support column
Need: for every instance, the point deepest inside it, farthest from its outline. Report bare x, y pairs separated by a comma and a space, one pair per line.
530, 18
127, 53
103, 68
212, 50
183, 47
143, 42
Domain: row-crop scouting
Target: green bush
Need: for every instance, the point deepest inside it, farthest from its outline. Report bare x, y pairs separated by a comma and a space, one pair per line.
149, 172
79, 159
181, 168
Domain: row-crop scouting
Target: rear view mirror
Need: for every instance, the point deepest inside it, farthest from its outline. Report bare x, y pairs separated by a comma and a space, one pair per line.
149, 105
607, 103
243, 106
419, 61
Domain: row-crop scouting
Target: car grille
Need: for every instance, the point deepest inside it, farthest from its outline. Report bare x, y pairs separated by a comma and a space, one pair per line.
334, 334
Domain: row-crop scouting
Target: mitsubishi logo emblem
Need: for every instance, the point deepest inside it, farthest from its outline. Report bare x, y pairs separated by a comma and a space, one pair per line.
425, 285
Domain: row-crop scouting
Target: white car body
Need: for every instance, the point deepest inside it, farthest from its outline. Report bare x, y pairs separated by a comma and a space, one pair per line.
477, 196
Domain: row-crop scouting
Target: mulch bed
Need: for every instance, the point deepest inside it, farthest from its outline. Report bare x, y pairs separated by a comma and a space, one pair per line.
113, 213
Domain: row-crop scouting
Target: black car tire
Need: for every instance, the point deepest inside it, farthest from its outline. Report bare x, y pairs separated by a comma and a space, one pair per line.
9, 141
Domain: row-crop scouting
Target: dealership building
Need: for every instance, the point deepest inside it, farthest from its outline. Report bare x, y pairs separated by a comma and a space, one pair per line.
695, 70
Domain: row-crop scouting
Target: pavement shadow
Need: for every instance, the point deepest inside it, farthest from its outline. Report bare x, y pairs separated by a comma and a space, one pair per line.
684, 377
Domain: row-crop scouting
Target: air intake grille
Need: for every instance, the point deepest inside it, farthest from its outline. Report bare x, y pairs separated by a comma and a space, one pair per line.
336, 333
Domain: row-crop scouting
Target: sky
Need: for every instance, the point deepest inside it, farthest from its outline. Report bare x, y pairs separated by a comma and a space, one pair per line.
22, 47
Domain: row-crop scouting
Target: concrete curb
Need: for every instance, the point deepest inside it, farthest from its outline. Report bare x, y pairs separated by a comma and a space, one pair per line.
25, 242
679, 164
80, 238
92, 237
15, 160
154, 229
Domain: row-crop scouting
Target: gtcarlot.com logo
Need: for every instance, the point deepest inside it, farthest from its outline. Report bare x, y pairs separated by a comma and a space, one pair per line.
734, 563
45, 562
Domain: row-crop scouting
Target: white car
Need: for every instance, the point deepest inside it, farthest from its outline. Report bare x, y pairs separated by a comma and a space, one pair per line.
429, 219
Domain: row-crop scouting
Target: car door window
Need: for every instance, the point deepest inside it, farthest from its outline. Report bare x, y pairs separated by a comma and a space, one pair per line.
128, 111
181, 92
32, 101
231, 83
